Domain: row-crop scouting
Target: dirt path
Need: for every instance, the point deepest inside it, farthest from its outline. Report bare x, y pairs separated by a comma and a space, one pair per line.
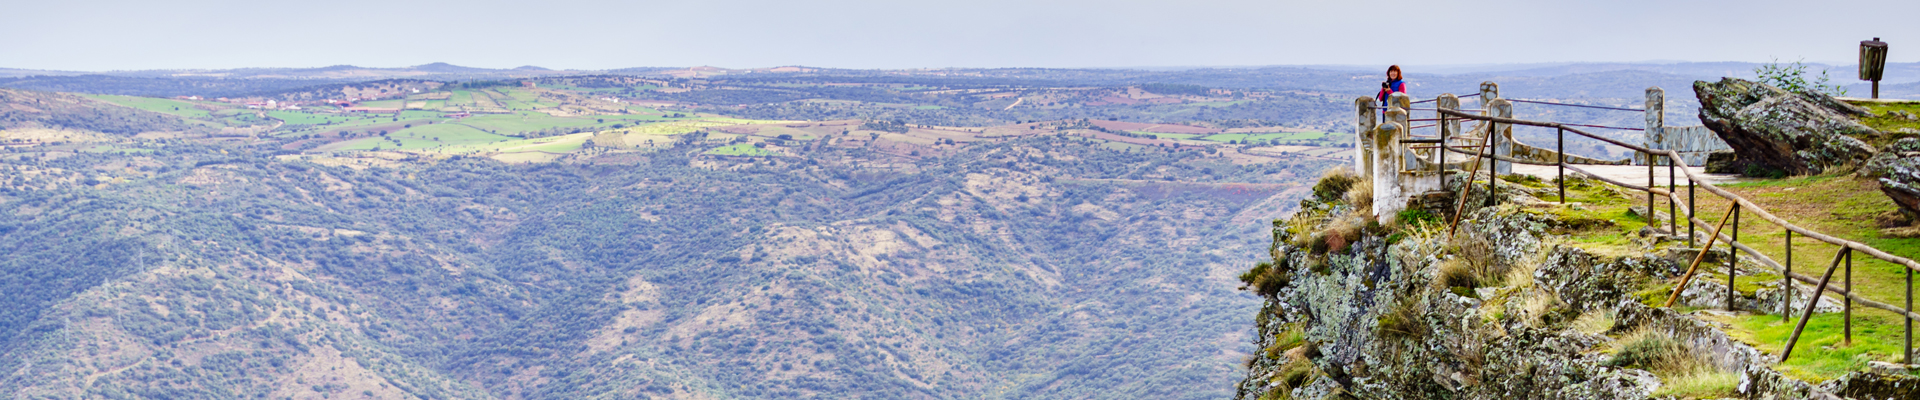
1635, 174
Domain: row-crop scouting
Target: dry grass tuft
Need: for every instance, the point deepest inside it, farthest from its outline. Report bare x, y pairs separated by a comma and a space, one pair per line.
1594, 322
1683, 372
1334, 183
1544, 309
1405, 320
1454, 273
1360, 197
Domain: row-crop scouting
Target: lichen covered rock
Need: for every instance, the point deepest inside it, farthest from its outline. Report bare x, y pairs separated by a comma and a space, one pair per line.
1776, 131
1381, 318
1898, 169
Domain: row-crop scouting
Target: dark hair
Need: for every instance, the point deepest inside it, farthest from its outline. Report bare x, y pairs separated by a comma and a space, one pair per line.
1393, 69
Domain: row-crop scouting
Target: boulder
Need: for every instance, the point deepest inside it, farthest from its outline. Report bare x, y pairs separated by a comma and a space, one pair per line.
1775, 130
1898, 169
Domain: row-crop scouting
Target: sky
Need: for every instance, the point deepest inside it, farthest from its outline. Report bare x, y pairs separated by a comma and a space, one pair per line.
582, 34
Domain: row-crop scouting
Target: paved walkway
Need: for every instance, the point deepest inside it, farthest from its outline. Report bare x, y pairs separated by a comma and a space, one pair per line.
1634, 174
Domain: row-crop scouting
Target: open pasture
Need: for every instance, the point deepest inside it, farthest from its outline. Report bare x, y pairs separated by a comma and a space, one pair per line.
180, 108
551, 144
522, 122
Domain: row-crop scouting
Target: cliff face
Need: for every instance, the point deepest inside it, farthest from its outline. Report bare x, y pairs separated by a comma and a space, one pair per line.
1506, 307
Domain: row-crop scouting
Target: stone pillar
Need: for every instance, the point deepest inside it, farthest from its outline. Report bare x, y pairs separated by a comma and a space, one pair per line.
1367, 118
1488, 92
1656, 120
1502, 133
1399, 106
1448, 129
1388, 196
1447, 101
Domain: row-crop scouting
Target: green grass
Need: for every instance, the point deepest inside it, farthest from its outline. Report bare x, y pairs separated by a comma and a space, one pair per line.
381, 104
741, 150
459, 98
164, 106
521, 122
1887, 124
450, 134
930, 107
1838, 205
301, 118
418, 114
1821, 354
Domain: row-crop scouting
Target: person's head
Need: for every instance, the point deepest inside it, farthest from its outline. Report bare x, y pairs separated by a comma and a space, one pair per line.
1393, 73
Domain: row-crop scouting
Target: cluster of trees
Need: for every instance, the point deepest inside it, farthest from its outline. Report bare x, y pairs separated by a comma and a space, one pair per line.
475, 271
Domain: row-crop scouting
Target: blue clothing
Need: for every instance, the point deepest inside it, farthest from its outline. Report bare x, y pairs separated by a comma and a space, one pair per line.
1397, 86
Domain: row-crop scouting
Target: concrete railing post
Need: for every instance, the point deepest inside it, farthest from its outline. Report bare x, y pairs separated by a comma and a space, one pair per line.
1402, 103
1488, 92
1367, 117
1388, 198
1656, 121
1449, 127
1501, 135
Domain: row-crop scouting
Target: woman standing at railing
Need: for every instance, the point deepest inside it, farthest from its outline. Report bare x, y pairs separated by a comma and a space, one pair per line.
1392, 85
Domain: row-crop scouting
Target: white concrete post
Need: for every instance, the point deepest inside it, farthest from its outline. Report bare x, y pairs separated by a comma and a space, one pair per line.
1656, 120
1402, 103
1501, 133
1388, 196
1366, 119
1488, 92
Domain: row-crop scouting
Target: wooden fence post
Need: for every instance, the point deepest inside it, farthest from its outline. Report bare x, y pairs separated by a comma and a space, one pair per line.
1733, 255
1813, 302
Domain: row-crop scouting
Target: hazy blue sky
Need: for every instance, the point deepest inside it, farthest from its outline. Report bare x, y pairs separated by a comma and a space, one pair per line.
122, 35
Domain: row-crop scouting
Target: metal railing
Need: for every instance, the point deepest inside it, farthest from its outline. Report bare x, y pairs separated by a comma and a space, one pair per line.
1740, 204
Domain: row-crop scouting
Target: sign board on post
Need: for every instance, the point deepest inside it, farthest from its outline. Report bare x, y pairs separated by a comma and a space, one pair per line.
1873, 62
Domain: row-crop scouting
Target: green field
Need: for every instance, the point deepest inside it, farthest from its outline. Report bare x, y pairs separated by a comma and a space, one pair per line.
159, 105
450, 134
460, 98
302, 118
552, 144
426, 137
742, 149
522, 122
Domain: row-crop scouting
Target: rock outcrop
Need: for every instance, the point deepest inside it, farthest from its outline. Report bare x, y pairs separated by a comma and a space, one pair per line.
1503, 309
1898, 169
1774, 131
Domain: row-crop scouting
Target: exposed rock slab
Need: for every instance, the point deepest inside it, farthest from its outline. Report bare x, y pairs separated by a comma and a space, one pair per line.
1898, 169
1777, 130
